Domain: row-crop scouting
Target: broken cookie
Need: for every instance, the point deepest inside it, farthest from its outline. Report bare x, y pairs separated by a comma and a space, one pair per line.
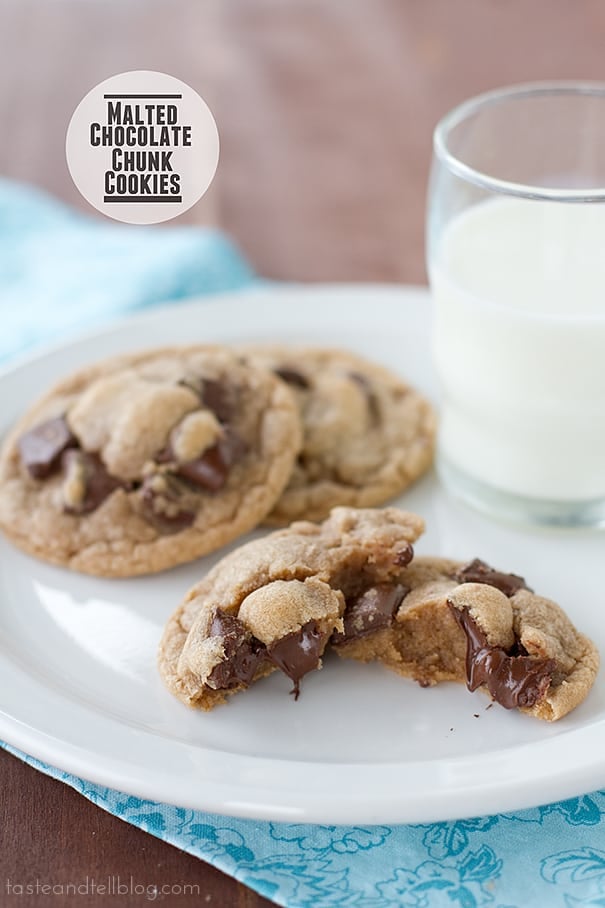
352, 584
476, 625
275, 603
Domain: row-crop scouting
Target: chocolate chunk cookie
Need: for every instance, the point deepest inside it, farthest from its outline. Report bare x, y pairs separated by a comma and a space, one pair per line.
276, 602
486, 628
367, 433
142, 462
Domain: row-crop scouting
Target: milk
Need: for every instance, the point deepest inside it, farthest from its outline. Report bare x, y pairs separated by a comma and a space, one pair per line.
519, 346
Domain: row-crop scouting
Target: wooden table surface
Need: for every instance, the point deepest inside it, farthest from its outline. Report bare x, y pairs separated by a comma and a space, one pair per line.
325, 111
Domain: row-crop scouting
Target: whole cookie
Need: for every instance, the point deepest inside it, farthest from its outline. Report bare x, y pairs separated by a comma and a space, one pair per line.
483, 627
367, 433
276, 602
142, 462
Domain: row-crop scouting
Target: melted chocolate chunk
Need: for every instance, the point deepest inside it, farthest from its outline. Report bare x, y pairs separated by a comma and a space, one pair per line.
98, 483
370, 612
512, 680
243, 653
41, 448
292, 377
478, 571
298, 653
404, 556
167, 503
211, 470
364, 383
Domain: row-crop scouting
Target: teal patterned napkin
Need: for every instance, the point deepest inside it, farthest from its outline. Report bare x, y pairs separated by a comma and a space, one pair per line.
60, 272
542, 858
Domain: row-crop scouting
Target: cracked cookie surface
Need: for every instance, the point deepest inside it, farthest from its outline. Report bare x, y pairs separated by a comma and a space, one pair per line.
367, 433
142, 462
276, 602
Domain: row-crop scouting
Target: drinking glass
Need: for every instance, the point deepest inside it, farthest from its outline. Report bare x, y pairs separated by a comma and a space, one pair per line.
516, 261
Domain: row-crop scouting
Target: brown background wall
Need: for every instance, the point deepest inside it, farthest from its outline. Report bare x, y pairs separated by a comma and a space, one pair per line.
325, 108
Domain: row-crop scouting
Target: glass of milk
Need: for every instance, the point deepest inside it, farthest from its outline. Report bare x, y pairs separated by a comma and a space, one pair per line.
516, 259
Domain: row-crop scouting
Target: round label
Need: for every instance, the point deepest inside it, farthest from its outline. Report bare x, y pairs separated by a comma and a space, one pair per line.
142, 147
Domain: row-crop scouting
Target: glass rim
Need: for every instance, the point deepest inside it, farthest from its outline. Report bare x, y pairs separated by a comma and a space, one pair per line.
508, 187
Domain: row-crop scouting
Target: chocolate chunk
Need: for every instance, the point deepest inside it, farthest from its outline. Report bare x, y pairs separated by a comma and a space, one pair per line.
298, 653
513, 679
97, 483
232, 446
478, 571
41, 448
404, 556
370, 612
364, 383
214, 394
218, 397
229, 626
168, 503
292, 377
211, 470
243, 654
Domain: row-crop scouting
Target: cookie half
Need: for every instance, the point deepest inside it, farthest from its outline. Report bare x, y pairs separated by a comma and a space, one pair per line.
142, 462
476, 625
276, 602
367, 433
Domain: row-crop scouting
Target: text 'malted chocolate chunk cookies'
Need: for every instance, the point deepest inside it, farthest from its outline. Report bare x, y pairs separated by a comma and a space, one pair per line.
276, 603
483, 627
367, 433
142, 462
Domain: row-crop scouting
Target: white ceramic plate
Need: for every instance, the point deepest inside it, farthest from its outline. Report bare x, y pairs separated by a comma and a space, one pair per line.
79, 688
